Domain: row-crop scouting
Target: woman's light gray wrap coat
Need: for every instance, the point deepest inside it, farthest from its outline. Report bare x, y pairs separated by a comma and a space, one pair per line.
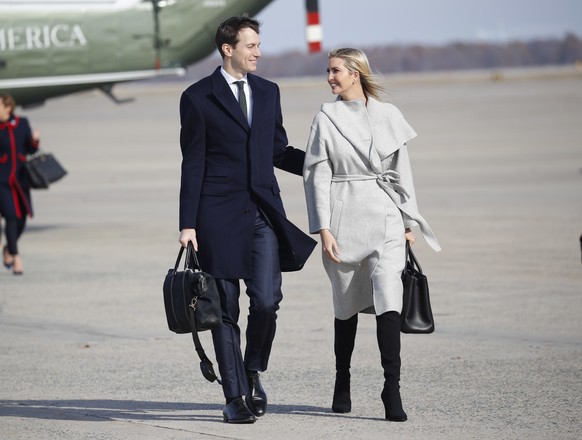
358, 184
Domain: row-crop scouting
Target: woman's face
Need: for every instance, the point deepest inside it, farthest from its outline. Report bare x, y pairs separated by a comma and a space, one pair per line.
5, 111
340, 79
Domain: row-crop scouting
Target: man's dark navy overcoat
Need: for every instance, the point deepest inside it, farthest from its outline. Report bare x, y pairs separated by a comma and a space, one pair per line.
228, 173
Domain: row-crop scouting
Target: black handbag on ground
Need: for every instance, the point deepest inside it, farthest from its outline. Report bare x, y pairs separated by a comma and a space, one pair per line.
43, 169
416, 310
192, 304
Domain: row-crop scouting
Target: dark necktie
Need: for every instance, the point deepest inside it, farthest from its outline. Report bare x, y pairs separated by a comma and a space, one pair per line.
242, 98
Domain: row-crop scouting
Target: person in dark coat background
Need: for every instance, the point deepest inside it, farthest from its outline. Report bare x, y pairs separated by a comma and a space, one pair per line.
16, 141
232, 137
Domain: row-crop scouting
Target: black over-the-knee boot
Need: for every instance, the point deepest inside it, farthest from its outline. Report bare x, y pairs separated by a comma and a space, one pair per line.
388, 331
344, 340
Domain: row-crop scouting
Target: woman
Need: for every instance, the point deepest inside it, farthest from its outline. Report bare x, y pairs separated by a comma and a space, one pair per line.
16, 141
361, 200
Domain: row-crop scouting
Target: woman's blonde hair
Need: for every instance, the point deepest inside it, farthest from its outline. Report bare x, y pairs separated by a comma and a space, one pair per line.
357, 61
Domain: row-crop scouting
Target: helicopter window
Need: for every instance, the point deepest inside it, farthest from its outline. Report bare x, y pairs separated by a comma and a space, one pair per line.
2, 64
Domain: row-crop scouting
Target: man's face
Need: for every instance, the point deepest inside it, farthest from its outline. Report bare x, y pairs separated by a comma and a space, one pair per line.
243, 57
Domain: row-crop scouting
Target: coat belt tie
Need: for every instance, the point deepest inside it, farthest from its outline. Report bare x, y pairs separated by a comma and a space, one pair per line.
388, 181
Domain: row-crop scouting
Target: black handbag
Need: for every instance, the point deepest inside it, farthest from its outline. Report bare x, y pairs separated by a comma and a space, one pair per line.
416, 310
43, 169
192, 304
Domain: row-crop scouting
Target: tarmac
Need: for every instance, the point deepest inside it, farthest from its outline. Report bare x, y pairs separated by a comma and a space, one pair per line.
85, 352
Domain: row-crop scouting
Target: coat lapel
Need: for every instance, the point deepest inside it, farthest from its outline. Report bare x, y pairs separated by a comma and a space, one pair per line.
221, 90
259, 96
389, 127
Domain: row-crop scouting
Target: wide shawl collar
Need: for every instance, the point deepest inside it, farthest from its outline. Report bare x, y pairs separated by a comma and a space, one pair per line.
377, 130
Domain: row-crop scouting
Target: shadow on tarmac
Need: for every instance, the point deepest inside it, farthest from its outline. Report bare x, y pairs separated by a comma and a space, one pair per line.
107, 409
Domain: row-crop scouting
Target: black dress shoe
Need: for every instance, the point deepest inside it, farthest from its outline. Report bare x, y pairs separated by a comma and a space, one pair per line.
257, 398
237, 412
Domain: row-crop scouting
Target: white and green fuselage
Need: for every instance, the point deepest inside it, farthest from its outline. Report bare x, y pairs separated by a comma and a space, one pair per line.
52, 48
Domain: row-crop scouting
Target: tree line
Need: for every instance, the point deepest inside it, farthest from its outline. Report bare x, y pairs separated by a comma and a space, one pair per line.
422, 58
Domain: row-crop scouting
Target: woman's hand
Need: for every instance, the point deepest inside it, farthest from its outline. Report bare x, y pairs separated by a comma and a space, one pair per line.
187, 235
329, 244
409, 236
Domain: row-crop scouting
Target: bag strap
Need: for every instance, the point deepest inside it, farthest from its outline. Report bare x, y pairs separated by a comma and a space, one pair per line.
206, 365
410, 256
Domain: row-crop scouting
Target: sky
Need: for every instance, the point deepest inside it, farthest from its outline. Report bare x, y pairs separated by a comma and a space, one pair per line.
368, 23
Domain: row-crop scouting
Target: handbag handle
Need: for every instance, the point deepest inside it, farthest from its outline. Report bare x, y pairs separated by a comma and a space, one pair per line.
191, 261
411, 257
191, 258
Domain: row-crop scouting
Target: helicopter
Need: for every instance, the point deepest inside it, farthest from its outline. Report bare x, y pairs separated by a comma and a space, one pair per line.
52, 48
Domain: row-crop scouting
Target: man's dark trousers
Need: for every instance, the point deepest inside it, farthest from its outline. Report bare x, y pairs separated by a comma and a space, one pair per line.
264, 291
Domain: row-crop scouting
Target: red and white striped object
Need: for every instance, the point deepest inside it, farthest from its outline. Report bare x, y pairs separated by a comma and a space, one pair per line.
313, 31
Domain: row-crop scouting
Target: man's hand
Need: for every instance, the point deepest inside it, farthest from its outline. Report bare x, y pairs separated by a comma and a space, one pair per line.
187, 235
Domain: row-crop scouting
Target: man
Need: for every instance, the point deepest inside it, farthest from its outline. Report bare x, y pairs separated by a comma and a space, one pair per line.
230, 207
